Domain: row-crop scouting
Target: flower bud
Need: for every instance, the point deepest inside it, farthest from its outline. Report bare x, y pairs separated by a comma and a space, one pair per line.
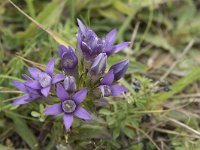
119, 69
70, 84
69, 60
99, 65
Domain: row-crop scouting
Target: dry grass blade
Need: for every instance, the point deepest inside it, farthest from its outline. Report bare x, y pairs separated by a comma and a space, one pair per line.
134, 34
40, 66
146, 135
187, 48
180, 124
51, 33
175, 133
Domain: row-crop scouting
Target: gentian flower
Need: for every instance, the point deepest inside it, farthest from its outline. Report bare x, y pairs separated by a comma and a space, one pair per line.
106, 87
98, 66
44, 80
70, 84
109, 47
91, 45
69, 60
90, 58
89, 42
119, 69
30, 94
69, 106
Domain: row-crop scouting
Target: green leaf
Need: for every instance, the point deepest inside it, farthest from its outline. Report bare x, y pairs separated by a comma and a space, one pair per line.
44, 20
110, 13
116, 132
159, 41
2, 147
87, 131
23, 130
52, 10
35, 114
105, 112
120, 6
128, 132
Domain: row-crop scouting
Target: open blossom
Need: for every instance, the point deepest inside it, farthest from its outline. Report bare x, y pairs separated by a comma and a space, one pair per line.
69, 106
91, 45
30, 94
106, 87
43, 80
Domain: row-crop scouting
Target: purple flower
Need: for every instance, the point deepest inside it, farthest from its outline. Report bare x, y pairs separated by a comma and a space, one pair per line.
44, 80
91, 45
70, 84
69, 106
69, 60
30, 94
98, 66
89, 42
119, 69
106, 87
109, 47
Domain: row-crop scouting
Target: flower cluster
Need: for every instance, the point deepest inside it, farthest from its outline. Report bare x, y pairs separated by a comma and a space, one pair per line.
83, 75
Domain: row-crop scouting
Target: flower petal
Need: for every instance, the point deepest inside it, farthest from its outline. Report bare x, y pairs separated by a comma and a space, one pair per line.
70, 84
45, 91
102, 90
50, 66
87, 51
31, 91
79, 39
118, 89
99, 65
110, 37
120, 47
21, 100
19, 85
61, 50
68, 120
119, 69
53, 110
69, 59
108, 78
105, 90
57, 78
82, 27
33, 97
82, 113
61, 93
80, 96
26, 77
34, 72
33, 84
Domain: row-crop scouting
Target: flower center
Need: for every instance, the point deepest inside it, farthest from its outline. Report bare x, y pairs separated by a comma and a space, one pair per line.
68, 106
68, 62
44, 79
107, 90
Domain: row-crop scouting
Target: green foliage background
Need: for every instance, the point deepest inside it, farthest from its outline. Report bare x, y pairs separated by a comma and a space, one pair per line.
160, 30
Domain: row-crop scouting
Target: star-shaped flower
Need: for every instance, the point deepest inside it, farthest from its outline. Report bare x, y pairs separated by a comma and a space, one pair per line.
69, 106
91, 45
30, 94
43, 80
106, 87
